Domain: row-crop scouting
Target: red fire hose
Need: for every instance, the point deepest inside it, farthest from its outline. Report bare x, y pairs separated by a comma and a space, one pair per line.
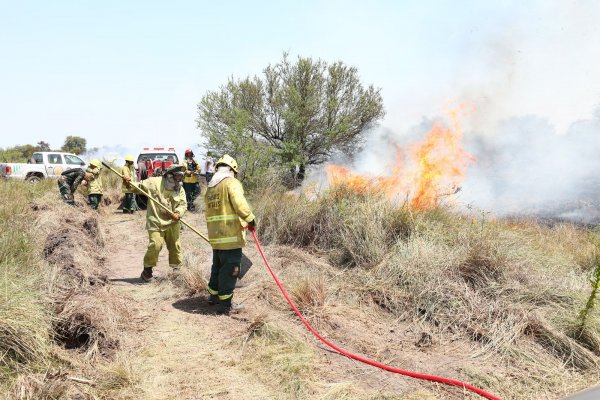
432, 378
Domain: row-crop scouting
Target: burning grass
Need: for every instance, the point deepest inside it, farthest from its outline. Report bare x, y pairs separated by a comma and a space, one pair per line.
513, 289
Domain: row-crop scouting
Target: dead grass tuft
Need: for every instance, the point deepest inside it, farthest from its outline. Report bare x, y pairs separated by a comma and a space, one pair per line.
91, 321
355, 231
187, 281
47, 386
310, 296
560, 345
279, 357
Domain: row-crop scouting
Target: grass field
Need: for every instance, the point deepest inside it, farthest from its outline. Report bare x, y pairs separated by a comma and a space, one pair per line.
509, 293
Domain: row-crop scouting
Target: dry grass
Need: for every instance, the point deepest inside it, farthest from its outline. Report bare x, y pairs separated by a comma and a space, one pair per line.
273, 353
56, 295
92, 321
25, 330
512, 288
341, 224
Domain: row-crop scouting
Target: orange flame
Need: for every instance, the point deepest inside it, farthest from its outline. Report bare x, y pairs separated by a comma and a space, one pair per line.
434, 168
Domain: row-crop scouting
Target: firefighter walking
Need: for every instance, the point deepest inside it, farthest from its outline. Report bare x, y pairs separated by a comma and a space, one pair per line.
163, 227
94, 184
191, 184
128, 172
227, 215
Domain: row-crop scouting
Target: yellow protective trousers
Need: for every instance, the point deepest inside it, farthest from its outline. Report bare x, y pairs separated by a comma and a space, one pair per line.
170, 236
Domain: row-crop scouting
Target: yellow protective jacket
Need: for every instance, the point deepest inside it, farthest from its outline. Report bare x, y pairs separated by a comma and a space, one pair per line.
157, 219
127, 172
227, 213
95, 184
191, 166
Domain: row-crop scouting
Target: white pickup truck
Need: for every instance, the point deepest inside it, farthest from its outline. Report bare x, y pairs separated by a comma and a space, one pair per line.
45, 164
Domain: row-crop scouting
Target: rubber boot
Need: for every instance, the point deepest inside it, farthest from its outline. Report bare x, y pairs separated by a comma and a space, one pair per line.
147, 274
213, 299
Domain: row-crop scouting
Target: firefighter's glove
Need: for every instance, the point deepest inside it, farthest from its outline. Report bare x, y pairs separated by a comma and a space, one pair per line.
175, 216
252, 225
126, 180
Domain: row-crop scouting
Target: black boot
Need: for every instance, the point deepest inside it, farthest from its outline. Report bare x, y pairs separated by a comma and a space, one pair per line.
227, 307
213, 299
147, 274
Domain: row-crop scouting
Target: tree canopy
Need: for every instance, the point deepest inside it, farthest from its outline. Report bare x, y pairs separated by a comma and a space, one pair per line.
22, 153
301, 111
74, 144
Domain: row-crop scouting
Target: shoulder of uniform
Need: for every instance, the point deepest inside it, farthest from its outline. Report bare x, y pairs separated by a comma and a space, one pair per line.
233, 183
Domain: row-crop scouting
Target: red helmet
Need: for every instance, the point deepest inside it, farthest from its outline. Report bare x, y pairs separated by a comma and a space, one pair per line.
188, 151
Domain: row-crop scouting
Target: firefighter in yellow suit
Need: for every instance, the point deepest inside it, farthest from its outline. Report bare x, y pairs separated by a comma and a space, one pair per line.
227, 215
191, 184
162, 226
128, 172
94, 185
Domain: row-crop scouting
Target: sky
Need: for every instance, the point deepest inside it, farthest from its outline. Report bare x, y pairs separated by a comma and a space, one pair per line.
128, 74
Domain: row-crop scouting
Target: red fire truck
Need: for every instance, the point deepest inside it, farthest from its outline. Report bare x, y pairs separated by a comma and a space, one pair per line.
153, 161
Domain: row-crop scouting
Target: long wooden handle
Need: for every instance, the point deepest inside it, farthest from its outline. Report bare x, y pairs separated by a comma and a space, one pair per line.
159, 204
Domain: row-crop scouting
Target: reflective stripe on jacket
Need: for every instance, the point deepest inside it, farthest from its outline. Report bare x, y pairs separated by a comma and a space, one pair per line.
157, 219
227, 213
95, 184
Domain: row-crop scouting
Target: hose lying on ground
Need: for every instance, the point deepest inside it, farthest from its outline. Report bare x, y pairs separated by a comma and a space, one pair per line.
432, 378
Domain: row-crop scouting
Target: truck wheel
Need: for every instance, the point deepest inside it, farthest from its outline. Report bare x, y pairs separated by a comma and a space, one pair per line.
142, 201
33, 179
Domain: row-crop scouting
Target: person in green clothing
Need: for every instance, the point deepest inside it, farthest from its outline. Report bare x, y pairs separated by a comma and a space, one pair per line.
162, 226
129, 205
227, 216
94, 185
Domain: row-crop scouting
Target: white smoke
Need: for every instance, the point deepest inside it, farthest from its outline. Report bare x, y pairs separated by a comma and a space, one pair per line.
534, 132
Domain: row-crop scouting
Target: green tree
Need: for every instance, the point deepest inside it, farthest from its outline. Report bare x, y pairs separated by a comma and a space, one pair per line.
43, 146
74, 144
303, 111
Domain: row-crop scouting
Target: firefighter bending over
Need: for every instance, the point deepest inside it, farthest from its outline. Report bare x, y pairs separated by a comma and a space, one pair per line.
69, 181
162, 226
227, 215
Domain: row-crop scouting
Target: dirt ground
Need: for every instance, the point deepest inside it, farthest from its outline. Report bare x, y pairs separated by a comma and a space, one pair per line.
180, 349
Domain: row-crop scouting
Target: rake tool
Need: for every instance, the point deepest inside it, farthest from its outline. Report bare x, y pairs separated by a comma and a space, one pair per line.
160, 204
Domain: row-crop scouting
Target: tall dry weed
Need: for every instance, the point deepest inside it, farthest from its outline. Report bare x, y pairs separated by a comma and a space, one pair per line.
514, 287
25, 322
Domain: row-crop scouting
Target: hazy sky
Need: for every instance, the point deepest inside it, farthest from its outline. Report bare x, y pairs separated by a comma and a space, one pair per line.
130, 73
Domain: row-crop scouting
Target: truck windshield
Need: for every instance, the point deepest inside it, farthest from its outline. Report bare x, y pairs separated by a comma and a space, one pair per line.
159, 157
72, 160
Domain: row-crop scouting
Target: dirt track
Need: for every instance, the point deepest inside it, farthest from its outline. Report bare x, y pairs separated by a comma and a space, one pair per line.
180, 353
